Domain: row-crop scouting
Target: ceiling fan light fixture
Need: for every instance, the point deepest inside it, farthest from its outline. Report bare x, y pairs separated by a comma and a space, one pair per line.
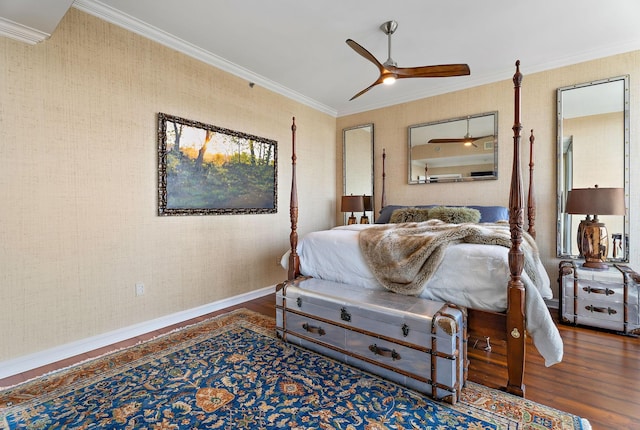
389, 79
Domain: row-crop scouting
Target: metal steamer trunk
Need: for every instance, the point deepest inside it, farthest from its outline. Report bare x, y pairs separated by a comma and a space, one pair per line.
415, 342
607, 299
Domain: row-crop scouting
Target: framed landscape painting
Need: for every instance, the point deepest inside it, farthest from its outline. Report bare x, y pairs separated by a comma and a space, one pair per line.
208, 170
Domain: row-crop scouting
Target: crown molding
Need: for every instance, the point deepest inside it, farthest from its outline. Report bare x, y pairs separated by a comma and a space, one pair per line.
22, 33
113, 16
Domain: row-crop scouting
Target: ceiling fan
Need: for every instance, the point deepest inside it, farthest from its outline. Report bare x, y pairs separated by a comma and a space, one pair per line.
389, 70
468, 139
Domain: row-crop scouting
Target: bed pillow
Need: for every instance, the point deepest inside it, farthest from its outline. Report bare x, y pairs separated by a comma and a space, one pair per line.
409, 215
487, 213
492, 213
385, 213
455, 215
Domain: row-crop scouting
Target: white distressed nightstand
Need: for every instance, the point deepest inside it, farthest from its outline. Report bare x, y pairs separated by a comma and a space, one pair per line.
607, 299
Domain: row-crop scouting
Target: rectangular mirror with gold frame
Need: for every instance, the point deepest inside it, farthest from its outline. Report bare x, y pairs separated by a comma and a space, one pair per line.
454, 150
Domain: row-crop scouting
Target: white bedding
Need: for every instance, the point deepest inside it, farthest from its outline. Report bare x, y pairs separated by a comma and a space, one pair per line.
470, 275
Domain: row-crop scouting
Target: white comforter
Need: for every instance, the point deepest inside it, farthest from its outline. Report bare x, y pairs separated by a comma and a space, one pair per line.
470, 275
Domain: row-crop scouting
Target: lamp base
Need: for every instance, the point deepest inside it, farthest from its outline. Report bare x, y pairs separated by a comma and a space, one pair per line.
352, 220
364, 219
595, 265
595, 243
584, 222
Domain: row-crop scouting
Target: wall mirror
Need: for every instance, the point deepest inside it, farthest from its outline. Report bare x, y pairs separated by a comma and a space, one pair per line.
593, 149
357, 165
454, 150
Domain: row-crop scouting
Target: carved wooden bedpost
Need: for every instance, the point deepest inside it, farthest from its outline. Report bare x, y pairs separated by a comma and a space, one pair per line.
515, 290
531, 201
383, 200
294, 259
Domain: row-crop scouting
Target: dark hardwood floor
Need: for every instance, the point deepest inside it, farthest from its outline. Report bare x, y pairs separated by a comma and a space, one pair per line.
599, 378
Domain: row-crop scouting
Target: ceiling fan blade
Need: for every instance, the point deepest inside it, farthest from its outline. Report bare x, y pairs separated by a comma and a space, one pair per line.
447, 140
440, 71
377, 82
366, 54
481, 137
459, 140
475, 139
369, 56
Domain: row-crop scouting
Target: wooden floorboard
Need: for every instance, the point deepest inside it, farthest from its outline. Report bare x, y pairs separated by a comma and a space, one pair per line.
598, 379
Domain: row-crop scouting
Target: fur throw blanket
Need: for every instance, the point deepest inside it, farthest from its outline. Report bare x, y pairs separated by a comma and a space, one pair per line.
403, 257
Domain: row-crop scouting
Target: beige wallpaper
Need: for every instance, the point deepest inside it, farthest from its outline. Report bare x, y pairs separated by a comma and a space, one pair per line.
78, 185
78, 177
538, 112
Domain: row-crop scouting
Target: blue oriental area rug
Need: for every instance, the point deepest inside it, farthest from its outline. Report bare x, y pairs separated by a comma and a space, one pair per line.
231, 372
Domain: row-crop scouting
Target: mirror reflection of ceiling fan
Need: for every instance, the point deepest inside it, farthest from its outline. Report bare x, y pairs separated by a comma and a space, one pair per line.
389, 70
467, 140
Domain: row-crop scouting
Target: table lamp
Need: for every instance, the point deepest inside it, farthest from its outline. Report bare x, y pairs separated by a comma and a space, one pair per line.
352, 204
368, 207
593, 241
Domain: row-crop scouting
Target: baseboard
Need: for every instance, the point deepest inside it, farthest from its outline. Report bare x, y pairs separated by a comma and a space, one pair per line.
43, 358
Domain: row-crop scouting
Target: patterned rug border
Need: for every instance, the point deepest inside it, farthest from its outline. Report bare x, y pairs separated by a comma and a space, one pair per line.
476, 399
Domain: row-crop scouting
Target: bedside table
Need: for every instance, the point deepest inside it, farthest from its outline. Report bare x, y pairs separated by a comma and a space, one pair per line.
606, 299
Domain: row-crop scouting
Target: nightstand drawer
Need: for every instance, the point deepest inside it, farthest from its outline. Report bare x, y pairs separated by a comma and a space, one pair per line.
600, 310
604, 292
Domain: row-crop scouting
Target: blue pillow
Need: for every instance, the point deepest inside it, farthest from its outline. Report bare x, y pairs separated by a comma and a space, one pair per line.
487, 213
385, 213
492, 213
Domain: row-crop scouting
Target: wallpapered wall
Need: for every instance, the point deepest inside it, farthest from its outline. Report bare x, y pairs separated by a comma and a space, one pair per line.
538, 112
78, 177
78, 185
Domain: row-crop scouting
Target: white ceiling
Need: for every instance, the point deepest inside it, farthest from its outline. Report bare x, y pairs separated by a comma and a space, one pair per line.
31, 21
297, 48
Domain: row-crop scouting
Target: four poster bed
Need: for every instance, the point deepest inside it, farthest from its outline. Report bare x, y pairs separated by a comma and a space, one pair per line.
469, 252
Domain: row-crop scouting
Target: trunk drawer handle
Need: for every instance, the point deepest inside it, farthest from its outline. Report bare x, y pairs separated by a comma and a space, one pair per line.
385, 352
313, 329
605, 291
609, 311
